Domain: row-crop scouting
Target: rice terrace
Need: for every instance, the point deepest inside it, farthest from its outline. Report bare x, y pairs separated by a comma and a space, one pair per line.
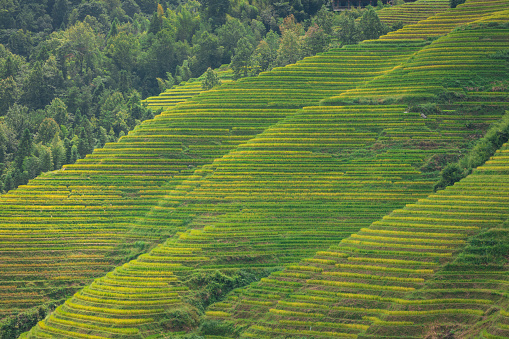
359, 192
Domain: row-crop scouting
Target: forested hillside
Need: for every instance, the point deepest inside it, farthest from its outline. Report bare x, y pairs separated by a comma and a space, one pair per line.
284, 195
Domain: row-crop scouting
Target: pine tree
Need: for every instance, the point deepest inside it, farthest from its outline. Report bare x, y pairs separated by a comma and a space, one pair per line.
24, 149
74, 154
83, 144
114, 29
45, 159
60, 12
156, 23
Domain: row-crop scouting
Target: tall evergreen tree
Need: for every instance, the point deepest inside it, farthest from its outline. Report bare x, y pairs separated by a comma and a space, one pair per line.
60, 12
114, 29
24, 149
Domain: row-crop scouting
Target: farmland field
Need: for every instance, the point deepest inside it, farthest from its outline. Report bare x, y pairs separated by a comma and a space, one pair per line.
298, 203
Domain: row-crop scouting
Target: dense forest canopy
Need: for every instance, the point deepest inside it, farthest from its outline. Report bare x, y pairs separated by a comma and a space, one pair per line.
73, 73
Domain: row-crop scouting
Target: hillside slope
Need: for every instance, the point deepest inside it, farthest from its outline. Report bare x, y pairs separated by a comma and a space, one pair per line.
245, 206
388, 280
91, 214
412, 12
254, 299
215, 117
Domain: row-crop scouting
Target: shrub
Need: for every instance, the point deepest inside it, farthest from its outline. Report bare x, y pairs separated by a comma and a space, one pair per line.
182, 318
496, 136
454, 3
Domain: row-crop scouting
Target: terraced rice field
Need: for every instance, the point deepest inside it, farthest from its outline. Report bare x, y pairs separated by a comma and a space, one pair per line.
412, 12
91, 214
184, 91
254, 175
445, 22
394, 278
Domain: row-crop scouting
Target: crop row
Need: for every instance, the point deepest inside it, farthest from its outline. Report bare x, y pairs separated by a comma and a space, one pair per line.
391, 266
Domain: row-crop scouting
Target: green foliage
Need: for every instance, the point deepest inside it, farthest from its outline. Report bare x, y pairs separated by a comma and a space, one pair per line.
180, 318
265, 54
74, 154
211, 80
502, 55
349, 32
13, 326
47, 130
449, 175
241, 60
371, 26
219, 328
24, 149
489, 248
495, 137
290, 47
183, 73
215, 11
211, 287
454, 3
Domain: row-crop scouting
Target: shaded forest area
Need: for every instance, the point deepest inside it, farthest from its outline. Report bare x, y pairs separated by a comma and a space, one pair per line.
73, 73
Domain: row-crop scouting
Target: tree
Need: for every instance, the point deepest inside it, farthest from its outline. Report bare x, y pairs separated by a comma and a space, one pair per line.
454, 3
114, 29
74, 154
18, 119
52, 77
211, 80
20, 42
114, 9
124, 49
3, 147
160, 57
156, 23
79, 47
229, 35
24, 148
103, 136
208, 52
83, 145
58, 152
45, 158
60, 12
34, 89
316, 41
371, 26
182, 73
187, 24
216, 10
130, 8
11, 66
325, 20
166, 84
94, 9
47, 130
449, 175
8, 94
241, 60
290, 47
8, 182
32, 166
58, 111
349, 32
